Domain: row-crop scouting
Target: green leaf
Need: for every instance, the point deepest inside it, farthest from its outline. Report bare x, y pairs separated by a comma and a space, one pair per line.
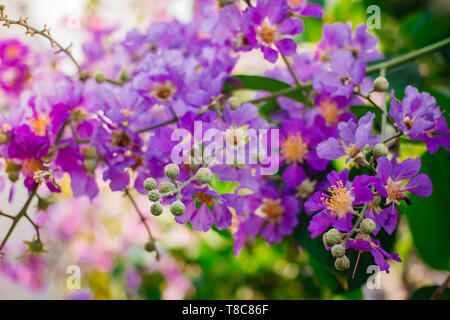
429, 218
240, 82
426, 293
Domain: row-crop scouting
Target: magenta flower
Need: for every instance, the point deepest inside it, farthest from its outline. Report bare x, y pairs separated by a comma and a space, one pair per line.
418, 116
389, 184
353, 138
298, 140
305, 9
269, 24
374, 247
270, 216
335, 207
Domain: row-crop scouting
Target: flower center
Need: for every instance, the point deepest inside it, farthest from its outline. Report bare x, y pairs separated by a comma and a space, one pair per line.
12, 52
241, 41
294, 149
340, 200
272, 209
204, 198
163, 91
30, 166
328, 109
294, 4
267, 33
39, 124
408, 122
235, 136
394, 190
353, 150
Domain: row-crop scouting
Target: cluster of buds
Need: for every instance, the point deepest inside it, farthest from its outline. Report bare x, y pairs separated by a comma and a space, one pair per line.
336, 240
156, 192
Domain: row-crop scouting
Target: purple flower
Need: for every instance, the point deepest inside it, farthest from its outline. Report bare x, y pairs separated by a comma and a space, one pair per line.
12, 52
389, 184
269, 23
346, 73
338, 36
336, 205
270, 216
376, 250
298, 141
306, 9
418, 116
212, 208
353, 138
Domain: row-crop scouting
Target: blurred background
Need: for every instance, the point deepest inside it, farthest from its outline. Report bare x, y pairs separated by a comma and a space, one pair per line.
104, 238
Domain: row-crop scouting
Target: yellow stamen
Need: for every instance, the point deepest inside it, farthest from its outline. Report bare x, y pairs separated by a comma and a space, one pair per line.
340, 200
30, 166
271, 209
163, 91
294, 149
328, 109
395, 192
39, 124
204, 198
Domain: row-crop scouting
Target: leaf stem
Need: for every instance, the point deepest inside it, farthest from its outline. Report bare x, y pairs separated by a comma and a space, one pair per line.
408, 56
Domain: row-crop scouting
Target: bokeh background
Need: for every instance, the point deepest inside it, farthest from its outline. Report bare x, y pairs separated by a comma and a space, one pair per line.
105, 239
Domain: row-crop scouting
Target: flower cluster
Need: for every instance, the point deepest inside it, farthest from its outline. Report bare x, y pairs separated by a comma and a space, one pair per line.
126, 124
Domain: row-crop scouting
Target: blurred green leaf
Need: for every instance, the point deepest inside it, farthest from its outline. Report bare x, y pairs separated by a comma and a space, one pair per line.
428, 217
426, 293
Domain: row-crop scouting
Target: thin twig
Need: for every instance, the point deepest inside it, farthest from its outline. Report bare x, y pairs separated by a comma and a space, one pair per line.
437, 295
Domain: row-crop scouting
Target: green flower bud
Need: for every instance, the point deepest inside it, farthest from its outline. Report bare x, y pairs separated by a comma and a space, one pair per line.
3, 138
204, 175
154, 196
124, 76
381, 84
150, 184
13, 176
363, 236
333, 236
90, 153
35, 246
380, 150
234, 102
338, 250
342, 263
100, 78
90, 164
156, 209
150, 246
325, 241
172, 171
367, 226
177, 208
166, 186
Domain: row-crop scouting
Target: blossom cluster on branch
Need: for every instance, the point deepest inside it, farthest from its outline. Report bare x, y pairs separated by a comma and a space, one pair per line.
116, 121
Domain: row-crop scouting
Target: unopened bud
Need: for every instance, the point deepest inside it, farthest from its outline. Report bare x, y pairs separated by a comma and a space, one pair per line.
342, 263
13, 176
90, 164
90, 153
124, 76
177, 208
325, 241
338, 250
381, 84
156, 209
150, 184
154, 196
3, 138
172, 171
150, 246
234, 102
166, 186
367, 226
204, 175
333, 236
100, 78
363, 236
380, 150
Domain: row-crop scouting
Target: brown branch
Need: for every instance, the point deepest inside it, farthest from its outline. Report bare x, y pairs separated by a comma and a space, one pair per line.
437, 295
